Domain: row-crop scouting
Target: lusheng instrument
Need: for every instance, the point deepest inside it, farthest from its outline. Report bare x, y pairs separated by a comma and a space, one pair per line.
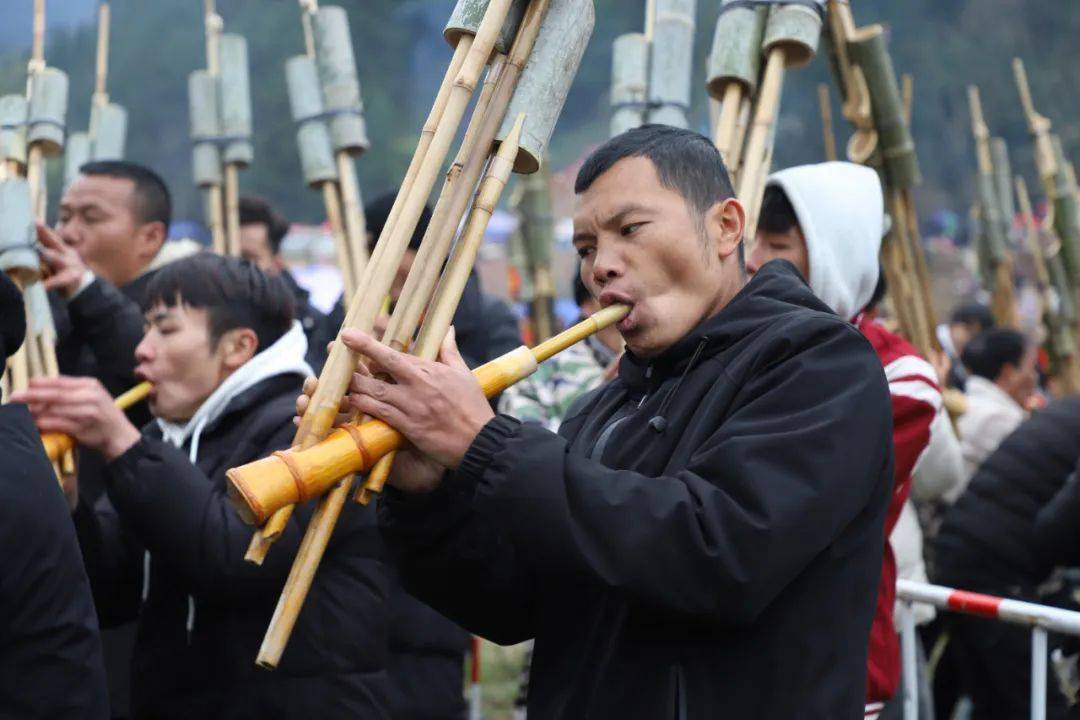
296, 475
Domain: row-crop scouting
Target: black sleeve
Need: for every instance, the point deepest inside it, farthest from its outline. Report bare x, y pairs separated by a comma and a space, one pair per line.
1057, 526
176, 511
111, 325
113, 559
806, 451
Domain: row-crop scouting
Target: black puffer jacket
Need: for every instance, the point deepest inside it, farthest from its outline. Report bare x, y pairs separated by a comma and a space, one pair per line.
988, 541
703, 537
206, 610
50, 653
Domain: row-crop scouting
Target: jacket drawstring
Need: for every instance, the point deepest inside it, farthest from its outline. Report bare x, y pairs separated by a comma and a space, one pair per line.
658, 422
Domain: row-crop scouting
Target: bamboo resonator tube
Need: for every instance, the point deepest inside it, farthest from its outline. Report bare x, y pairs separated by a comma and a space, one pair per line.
58, 444
293, 476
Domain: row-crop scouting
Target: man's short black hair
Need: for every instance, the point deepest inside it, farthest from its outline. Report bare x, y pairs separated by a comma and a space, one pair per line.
777, 213
152, 200
992, 350
974, 314
256, 211
377, 212
685, 161
234, 292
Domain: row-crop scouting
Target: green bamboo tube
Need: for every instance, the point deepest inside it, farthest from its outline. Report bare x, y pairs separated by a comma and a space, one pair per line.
235, 100
629, 82
1066, 213
868, 51
110, 131
670, 62
13, 115
312, 135
48, 108
339, 81
205, 129
467, 14
76, 154
999, 149
18, 236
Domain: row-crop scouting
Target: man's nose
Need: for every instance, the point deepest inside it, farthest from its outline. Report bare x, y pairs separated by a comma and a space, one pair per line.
144, 351
607, 265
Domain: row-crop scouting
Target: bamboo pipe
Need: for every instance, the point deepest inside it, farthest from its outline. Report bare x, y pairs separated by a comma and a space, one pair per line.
214, 198
452, 284
826, 122
380, 270
907, 94
318, 535
291, 476
724, 137
755, 170
37, 51
101, 67
57, 444
232, 209
337, 232
738, 143
1039, 127
355, 223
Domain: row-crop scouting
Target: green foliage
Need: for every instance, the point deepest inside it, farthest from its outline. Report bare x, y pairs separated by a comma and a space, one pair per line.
946, 44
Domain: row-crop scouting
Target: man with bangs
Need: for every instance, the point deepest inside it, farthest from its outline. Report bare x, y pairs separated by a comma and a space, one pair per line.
703, 536
226, 358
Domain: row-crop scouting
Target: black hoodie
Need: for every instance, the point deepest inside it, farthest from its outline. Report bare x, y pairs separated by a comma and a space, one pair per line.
703, 537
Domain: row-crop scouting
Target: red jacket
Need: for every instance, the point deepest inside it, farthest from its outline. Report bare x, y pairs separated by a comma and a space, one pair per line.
916, 400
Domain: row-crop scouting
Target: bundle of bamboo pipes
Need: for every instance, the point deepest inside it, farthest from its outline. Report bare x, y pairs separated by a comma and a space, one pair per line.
532, 51
785, 35
219, 101
34, 136
105, 138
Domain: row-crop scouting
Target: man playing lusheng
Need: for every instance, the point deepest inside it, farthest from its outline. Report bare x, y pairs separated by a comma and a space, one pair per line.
226, 359
703, 537
828, 220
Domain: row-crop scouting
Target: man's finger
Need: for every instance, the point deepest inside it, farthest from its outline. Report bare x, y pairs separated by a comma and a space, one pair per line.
398, 365
379, 389
53, 424
310, 383
449, 354
376, 408
49, 237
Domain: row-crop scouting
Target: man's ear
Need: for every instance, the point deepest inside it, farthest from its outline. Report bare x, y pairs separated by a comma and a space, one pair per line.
725, 223
237, 346
149, 239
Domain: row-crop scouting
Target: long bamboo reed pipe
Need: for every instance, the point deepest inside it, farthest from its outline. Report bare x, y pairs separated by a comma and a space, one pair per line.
355, 223
380, 271
232, 209
291, 476
730, 106
56, 444
215, 198
341, 243
826, 122
318, 535
101, 65
754, 158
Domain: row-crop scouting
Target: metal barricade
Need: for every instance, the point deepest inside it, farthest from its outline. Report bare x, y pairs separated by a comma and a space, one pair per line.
1040, 618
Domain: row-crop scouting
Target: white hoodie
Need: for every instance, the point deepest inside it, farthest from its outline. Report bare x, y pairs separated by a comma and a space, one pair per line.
843, 238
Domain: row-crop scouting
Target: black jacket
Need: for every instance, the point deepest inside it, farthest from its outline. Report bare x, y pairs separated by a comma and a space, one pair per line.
988, 540
50, 653
702, 539
205, 610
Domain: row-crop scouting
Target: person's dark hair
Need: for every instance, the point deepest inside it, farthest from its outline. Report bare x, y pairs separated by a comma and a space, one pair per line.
234, 292
685, 161
12, 317
581, 293
256, 211
974, 314
377, 212
777, 213
880, 289
152, 200
989, 352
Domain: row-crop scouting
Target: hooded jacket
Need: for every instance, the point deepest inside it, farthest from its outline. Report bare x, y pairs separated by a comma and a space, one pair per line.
703, 537
840, 209
203, 610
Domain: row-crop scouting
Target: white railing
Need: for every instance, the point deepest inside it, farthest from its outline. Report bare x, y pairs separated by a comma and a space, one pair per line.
1040, 618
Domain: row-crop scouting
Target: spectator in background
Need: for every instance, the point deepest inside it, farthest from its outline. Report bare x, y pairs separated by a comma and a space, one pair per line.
968, 321
1003, 537
1002, 378
261, 233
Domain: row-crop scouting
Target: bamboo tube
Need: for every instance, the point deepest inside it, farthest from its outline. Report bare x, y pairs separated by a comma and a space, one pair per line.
337, 232
37, 49
380, 270
58, 444
101, 66
671, 58
232, 209
452, 285
291, 476
734, 68
737, 145
907, 94
752, 176
629, 82
355, 224
826, 122
1039, 127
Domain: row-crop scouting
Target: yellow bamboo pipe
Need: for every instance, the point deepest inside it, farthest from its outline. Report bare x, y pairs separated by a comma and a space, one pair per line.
380, 270
101, 66
232, 209
341, 243
1039, 126
441, 313
355, 223
826, 122
57, 444
755, 160
907, 94
287, 477
730, 106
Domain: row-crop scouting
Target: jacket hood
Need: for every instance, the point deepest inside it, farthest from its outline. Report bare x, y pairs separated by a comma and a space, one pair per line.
284, 357
841, 211
776, 290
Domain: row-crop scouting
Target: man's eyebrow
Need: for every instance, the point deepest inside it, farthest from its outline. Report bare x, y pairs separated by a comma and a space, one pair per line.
158, 316
85, 207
